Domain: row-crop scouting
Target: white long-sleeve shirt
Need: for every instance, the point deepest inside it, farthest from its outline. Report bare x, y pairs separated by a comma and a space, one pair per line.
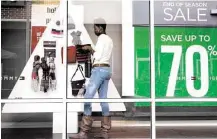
103, 49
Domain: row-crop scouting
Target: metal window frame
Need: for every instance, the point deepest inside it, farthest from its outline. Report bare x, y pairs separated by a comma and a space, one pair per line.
153, 100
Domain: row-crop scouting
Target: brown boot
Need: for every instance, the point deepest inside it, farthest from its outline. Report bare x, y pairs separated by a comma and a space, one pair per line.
86, 125
105, 126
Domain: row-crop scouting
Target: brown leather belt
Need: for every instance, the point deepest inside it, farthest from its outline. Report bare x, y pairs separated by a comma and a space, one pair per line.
101, 65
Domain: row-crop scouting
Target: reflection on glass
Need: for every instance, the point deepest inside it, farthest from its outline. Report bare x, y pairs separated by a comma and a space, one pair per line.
83, 51
179, 121
124, 121
31, 120
31, 63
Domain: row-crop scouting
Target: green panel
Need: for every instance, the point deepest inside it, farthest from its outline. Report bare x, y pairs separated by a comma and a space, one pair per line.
163, 62
142, 62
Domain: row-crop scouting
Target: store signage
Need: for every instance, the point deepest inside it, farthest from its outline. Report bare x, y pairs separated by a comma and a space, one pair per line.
43, 11
9, 77
185, 57
187, 13
182, 11
185, 61
41, 16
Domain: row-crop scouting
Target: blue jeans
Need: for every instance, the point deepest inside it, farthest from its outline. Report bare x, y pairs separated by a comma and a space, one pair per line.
99, 80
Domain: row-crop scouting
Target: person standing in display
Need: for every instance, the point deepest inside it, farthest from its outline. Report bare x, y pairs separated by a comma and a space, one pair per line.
45, 75
52, 74
35, 75
99, 80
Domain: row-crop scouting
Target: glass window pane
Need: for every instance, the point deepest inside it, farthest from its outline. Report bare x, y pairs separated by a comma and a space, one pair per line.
184, 58
128, 120
185, 49
185, 121
31, 49
31, 120
129, 60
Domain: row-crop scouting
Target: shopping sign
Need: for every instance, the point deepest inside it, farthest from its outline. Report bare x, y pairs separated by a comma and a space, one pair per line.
185, 13
185, 57
42, 13
185, 63
197, 13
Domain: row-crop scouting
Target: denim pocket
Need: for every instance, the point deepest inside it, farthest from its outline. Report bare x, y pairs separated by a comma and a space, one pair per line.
106, 72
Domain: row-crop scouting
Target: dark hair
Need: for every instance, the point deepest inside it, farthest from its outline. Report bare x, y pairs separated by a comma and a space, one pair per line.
36, 57
43, 60
44, 64
100, 22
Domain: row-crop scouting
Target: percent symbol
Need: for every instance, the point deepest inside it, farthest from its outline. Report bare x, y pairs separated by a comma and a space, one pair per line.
212, 50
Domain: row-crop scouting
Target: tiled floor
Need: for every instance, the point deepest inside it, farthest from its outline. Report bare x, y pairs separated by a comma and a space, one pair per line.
118, 133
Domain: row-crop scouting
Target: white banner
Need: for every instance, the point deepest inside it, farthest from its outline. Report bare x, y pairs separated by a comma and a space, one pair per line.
42, 14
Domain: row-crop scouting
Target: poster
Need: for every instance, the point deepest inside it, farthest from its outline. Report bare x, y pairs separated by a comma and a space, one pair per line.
37, 32
185, 51
185, 61
42, 13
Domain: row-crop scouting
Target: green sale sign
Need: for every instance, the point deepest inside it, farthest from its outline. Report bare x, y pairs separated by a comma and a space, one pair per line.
185, 64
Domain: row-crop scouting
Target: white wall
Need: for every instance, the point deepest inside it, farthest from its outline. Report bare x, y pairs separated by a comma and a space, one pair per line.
110, 10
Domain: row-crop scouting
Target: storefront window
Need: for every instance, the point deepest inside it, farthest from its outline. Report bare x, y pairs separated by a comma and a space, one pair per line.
183, 58
123, 121
151, 68
31, 120
28, 44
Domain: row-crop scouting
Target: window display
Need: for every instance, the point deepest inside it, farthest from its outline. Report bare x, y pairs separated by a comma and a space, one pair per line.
43, 74
108, 69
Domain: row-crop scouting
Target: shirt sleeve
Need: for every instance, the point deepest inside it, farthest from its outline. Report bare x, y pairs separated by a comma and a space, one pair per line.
98, 50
